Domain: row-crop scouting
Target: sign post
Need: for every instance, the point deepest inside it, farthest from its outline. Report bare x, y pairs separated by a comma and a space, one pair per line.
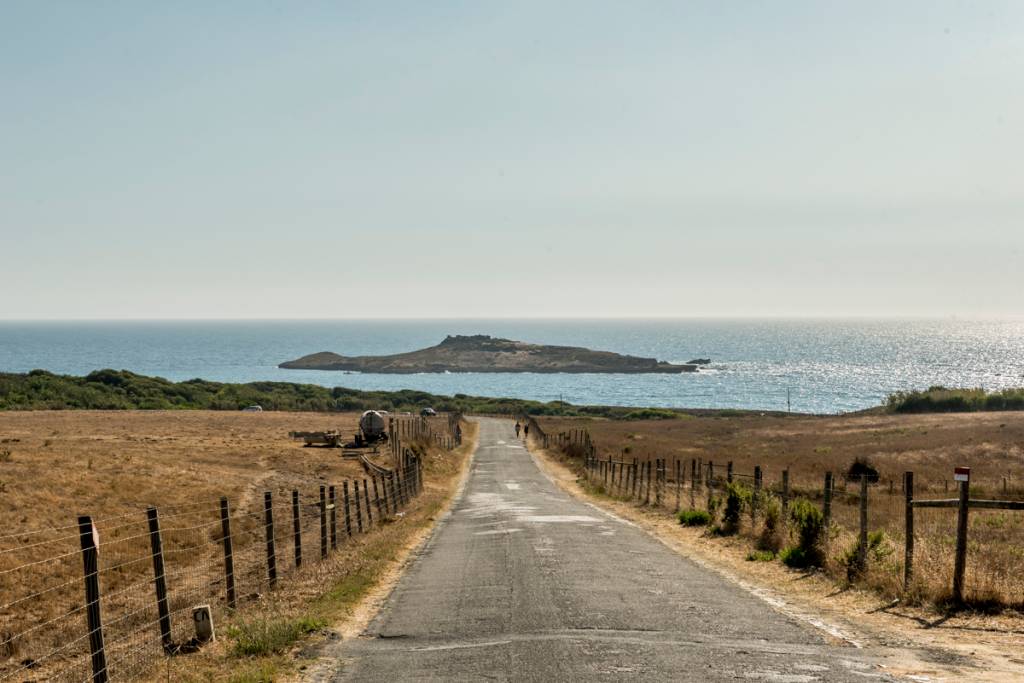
962, 475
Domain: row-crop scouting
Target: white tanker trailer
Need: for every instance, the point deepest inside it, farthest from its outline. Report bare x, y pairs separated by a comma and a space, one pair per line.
373, 428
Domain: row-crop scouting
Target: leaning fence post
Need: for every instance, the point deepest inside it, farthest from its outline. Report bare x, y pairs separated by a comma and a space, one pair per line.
908, 547
229, 558
323, 522
334, 517
159, 578
296, 528
268, 513
90, 560
963, 478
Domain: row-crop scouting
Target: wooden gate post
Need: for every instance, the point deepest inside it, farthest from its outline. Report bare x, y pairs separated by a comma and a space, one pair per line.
90, 561
268, 515
229, 557
908, 514
963, 477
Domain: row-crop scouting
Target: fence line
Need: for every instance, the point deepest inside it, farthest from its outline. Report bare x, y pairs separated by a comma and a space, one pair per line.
864, 521
118, 595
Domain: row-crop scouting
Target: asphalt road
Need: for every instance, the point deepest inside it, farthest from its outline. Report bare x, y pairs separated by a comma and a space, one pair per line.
522, 582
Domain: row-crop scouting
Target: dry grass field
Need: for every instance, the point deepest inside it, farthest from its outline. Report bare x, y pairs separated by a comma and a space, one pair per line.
992, 444
112, 465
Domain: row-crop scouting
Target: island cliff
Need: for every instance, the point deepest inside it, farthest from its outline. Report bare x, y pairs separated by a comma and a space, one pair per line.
483, 353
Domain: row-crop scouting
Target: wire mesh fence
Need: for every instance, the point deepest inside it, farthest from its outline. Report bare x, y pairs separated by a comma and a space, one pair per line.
106, 598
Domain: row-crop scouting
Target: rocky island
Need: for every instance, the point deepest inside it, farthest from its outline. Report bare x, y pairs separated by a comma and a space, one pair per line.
483, 353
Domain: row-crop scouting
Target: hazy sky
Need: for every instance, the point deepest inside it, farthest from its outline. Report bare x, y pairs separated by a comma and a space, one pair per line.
511, 159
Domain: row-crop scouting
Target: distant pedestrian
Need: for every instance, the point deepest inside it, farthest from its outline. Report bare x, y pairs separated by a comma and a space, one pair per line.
526, 430
518, 427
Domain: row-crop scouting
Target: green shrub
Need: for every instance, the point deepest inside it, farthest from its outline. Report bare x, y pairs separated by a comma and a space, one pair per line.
694, 518
939, 399
809, 523
737, 498
878, 549
760, 556
771, 535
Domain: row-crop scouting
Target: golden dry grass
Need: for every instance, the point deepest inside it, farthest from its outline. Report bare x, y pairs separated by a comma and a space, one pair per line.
112, 465
929, 445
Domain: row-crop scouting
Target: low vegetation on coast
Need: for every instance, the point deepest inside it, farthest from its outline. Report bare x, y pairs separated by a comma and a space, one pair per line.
124, 390
940, 399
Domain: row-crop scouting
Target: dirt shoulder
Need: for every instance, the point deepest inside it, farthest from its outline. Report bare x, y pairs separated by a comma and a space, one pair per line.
926, 645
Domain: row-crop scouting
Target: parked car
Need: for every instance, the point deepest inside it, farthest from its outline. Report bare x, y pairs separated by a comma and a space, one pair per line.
252, 409
428, 412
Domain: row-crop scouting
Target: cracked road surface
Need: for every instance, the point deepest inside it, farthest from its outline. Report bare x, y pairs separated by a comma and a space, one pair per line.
522, 582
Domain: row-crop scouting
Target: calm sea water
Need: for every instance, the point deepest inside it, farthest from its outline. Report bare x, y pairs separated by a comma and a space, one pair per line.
824, 365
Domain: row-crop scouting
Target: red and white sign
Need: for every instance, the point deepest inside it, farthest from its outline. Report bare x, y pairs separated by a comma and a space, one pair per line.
962, 474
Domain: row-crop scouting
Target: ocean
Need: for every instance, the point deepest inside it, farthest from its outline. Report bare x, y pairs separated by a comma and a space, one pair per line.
817, 366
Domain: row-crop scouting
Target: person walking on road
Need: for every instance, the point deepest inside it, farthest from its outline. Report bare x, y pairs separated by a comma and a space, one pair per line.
518, 427
526, 431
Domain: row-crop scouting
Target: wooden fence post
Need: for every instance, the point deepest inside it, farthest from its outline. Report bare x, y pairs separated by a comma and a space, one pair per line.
728, 471
756, 500
960, 563
394, 492
659, 473
323, 522
376, 498
159, 578
827, 509
366, 496
785, 495
90, 561
647, 489
296, 528
348, 510
862, 545
679, 482
229, 557
711, 484
268, 515
359, 507
908, 514
693, 483
333, 503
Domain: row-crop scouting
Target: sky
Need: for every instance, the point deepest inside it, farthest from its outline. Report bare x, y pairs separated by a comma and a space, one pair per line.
519, 159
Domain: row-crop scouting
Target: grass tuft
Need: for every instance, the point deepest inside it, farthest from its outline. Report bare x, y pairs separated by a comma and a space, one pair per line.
693, 517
